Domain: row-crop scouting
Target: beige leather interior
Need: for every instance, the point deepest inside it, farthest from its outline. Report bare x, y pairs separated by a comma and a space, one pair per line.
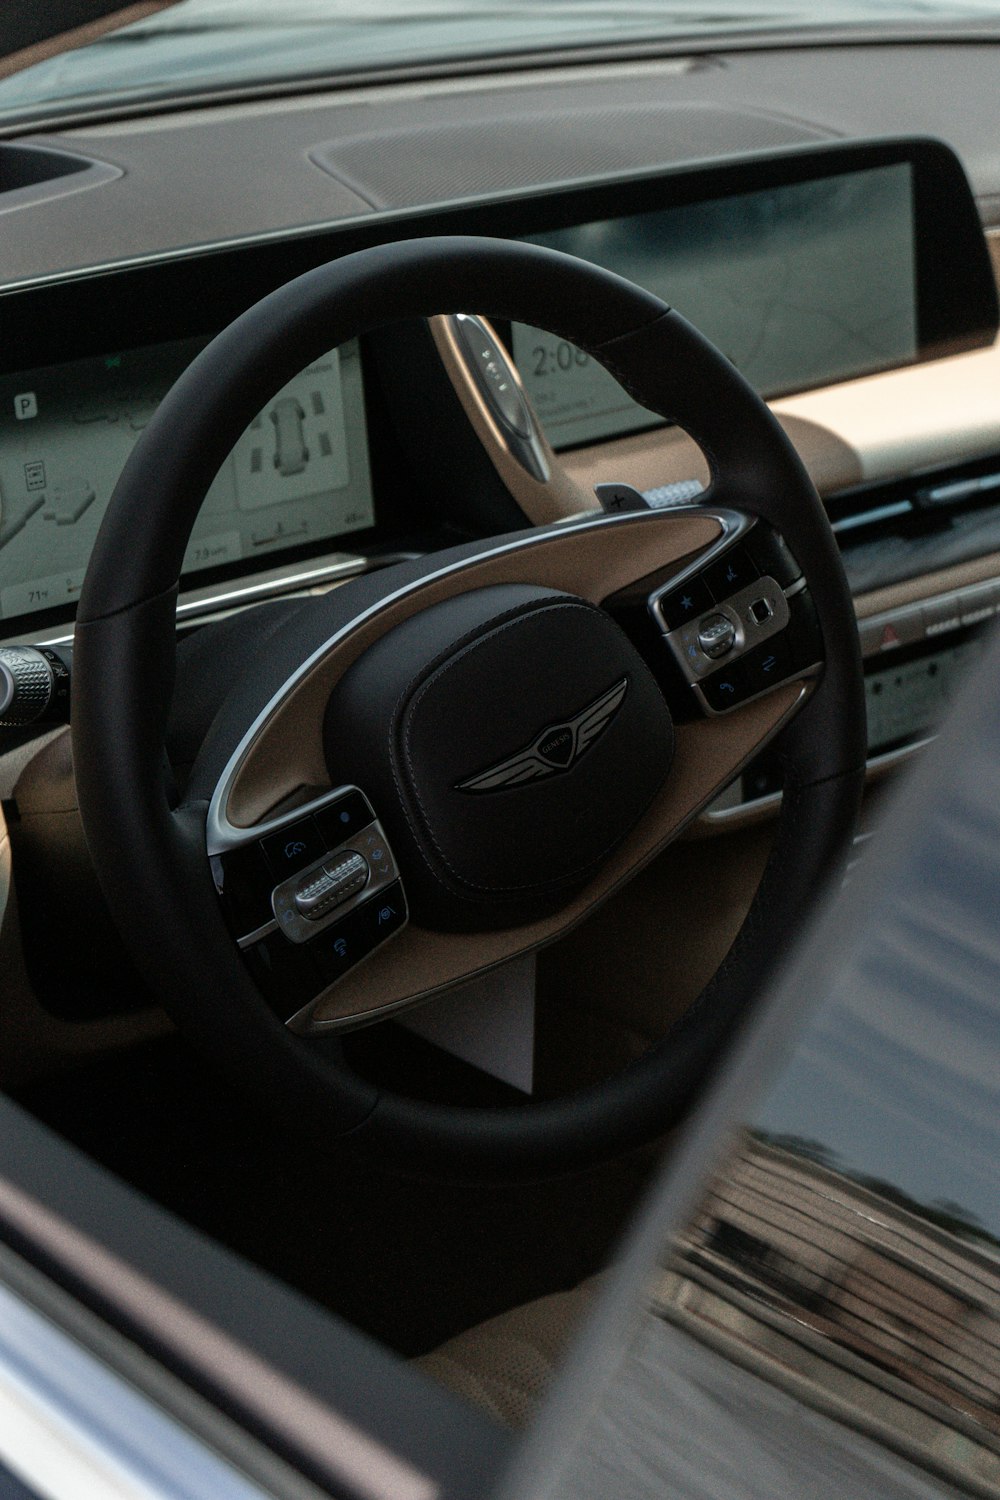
507, 1364
875, 428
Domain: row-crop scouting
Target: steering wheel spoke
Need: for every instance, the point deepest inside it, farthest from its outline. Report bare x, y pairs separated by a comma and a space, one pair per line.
737, 620
308, 963
308, 895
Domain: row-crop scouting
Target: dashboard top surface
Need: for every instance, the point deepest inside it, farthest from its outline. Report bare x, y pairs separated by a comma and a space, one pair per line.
194, 178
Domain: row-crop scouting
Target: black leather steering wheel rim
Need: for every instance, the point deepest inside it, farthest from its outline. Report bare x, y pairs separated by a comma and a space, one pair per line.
150, 855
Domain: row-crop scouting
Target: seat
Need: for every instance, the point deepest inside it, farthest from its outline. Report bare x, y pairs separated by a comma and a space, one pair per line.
507, 1364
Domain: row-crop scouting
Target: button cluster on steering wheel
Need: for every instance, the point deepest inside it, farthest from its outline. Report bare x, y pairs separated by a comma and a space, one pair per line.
312, 898
741, 622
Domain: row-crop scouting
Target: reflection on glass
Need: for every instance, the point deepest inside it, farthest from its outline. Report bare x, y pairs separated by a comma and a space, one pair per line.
849, 1292
849, 1250
827, 1322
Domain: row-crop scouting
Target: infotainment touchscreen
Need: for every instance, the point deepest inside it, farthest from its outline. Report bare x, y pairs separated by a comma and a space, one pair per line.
801, 284
299, 474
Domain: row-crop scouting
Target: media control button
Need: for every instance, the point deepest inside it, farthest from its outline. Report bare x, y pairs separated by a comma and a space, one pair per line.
307, 903
686, 645
373, 845
684, 604
351, 939
756, 614
338, 949
724, 689
383, 915
294, 847
767, 664
343, 818
730, 574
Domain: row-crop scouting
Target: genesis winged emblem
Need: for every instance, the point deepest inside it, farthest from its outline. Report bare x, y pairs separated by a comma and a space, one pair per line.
556, 749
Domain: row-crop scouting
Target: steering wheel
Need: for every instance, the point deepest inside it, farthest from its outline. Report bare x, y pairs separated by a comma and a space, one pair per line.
449, 762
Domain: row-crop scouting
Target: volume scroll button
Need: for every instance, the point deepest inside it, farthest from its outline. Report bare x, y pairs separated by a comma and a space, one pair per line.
331, 886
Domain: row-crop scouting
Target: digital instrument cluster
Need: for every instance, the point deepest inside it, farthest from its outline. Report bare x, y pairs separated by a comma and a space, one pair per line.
299, 474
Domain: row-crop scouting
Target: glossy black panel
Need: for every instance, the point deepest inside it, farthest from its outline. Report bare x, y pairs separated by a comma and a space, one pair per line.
827, 1320
850, 1248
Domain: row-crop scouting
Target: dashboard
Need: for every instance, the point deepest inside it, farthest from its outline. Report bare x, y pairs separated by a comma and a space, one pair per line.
791, 205
807, 267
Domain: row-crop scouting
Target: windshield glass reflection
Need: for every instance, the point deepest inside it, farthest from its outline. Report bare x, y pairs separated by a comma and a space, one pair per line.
849, 1249
205, 45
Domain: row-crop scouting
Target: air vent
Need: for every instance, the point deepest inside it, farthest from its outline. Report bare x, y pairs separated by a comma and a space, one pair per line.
919, 524
32, 174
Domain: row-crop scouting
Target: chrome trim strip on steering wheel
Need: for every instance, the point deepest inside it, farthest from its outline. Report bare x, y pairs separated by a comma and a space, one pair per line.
222, 835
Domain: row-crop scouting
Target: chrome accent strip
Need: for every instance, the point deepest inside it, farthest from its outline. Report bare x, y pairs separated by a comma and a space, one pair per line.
222, 835
258, 933
358, 1461
807, 673
244, 595
70, 1426
234, 837
885, 761
735, 525
274, 587
871, 517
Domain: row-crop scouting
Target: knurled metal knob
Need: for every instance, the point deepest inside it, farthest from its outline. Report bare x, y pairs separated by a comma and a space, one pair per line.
716, 635
26, 685
336, 883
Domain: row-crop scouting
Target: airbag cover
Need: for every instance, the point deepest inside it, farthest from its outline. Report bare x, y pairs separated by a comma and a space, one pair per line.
509, 738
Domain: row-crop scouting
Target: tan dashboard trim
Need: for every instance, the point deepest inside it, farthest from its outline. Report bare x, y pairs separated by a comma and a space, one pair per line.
419, 963
871, 429
875, 428
667, 455
927, 585
592, 562
912, 419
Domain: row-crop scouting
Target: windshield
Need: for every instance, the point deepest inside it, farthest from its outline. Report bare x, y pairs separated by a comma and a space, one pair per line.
206, 46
